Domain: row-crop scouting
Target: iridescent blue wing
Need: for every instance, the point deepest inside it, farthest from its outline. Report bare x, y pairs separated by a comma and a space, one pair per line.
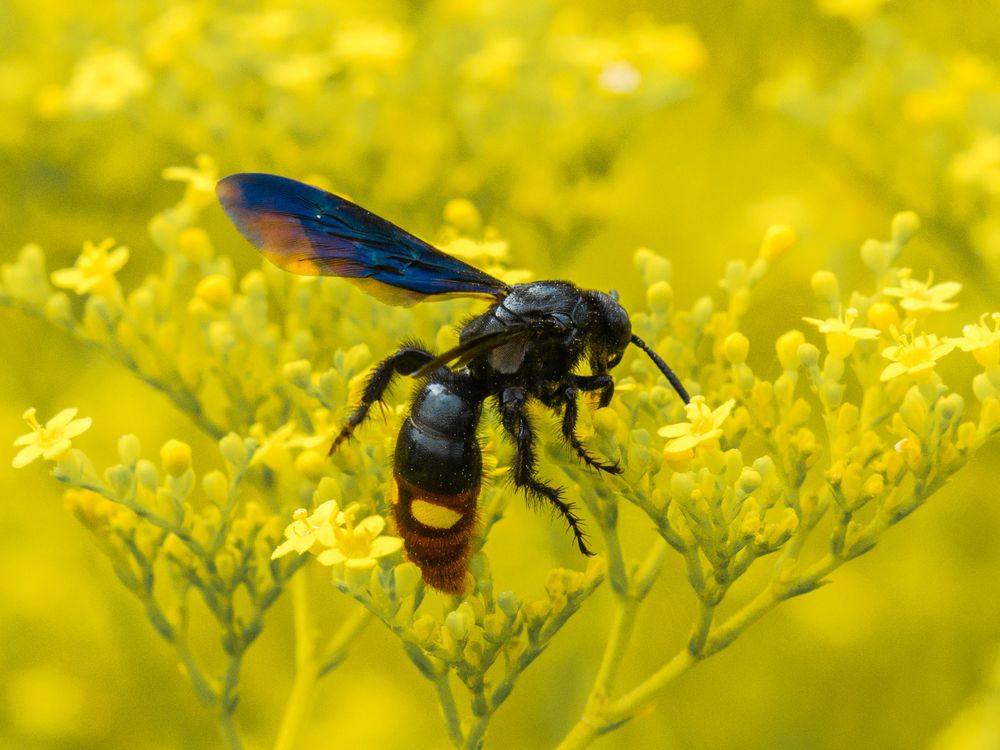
309, 231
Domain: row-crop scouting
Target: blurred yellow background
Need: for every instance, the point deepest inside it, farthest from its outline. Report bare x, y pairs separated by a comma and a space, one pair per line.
581, 131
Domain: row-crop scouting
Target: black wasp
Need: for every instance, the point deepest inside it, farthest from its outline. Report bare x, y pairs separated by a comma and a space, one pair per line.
527, 345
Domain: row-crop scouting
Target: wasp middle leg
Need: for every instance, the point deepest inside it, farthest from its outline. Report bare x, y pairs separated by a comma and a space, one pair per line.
515, 422
404, 361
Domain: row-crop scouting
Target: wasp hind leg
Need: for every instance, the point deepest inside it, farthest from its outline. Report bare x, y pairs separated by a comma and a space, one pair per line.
404, 361
522, 470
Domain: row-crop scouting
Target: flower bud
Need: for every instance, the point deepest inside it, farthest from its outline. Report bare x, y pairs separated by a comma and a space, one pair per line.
736, 347
778, 240
216, 487
787, 348
463, 215
660, 296
215, 290
883, 315
175, 457
129, 449
904, 225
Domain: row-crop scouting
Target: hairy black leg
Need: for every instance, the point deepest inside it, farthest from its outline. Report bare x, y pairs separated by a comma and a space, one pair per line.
603, 383
522, 470
404, 361
570, 415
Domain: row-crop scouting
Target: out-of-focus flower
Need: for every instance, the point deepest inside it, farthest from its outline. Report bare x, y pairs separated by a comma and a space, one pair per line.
496, 62
922, 297
375, 45
841, 335
200, 180
852, 10
619, 77
52, 441
983, 342
94, 271
914, 355
703, 424
303, 73
979, 165
105, 82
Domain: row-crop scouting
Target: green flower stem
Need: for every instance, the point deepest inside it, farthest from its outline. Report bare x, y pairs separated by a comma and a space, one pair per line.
614, 653
447, 700
306, 672
650, 568
698, 639
591, 726
202, 688
229, 731
602, 716
338, 646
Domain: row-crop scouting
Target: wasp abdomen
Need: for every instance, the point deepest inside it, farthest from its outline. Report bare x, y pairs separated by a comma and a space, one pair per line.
438, 469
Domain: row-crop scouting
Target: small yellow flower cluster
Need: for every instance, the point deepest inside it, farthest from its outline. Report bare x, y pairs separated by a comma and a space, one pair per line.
395, 90
933, 120
152, 526
332, 536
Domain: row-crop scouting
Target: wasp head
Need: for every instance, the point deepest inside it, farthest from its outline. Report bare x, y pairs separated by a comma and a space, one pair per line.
608, 331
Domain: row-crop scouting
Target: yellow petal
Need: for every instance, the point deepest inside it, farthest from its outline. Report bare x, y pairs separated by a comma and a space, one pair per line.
26, 456
61, 419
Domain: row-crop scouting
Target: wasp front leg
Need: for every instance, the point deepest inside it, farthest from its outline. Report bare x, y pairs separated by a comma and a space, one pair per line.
571, 412
404, 361
522, 470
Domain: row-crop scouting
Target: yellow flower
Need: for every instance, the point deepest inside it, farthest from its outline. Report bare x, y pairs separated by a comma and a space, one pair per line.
200, 180
334, 538
919, 298
309, 532
981, 341
374, 45
913, 355
52, 441
703, 425
105, 81
358, 546
841, 335
95, 269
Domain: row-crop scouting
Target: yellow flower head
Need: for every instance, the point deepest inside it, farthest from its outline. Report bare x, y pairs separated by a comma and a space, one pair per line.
919, 298
703, 424
52, 441
309, 532
94, 270
358, 545
913, 355
334, 538
841, 335
983, 342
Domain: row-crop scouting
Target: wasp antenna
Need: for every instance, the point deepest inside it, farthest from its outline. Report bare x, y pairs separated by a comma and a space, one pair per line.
664, 368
